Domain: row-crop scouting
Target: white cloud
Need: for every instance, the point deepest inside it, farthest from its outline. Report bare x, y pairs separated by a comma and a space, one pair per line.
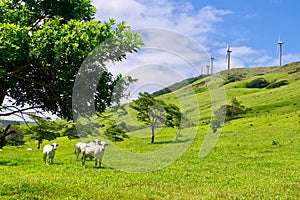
183, 33
178, 16
196, 27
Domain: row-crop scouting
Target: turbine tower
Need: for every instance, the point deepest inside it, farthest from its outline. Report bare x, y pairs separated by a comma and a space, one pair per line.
280, 43
211, 64
228, 57
207, 66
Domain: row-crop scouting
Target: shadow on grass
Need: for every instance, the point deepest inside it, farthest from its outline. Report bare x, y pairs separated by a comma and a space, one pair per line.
59, 163
8, 163
98, 167
173, 141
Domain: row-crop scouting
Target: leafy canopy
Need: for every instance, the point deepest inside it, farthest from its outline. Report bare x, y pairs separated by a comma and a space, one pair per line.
156, 112
44, 43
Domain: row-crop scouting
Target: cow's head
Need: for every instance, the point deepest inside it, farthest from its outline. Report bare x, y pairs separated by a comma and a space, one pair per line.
54, 145
103, 143
96, 141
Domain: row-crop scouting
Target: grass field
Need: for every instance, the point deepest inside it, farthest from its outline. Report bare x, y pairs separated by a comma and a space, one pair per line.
255, 157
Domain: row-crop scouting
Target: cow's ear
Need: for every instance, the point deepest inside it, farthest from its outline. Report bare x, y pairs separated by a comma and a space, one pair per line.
56, 144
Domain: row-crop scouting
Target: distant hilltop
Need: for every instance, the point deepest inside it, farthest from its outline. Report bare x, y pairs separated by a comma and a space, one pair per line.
6, 122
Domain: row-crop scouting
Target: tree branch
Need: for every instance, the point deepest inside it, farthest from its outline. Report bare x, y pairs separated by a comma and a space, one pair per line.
17, 110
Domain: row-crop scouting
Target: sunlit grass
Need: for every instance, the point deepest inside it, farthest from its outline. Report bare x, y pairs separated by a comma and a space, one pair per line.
255, 157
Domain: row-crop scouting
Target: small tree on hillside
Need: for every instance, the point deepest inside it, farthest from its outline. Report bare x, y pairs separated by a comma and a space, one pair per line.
70, 131
115, 132
4, 135
16, 137
216, 122
226, 113
44, 130
155, 112
257, 83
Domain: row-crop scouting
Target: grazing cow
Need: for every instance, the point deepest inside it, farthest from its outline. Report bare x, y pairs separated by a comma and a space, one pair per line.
49, 152
94, 151
80, 145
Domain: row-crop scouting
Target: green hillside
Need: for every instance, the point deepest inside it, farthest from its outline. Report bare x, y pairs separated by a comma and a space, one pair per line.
271, 102
255, 156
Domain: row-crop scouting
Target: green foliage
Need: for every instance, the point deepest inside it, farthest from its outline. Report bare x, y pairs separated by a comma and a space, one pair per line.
240, 166
277, 84
70, 131
294, 70
257, 83
177, 86
217, 121
255, 158
44, 129
87, 126
16, 137
155, 112
6, 133
227, 112
43, 45
235, 109
115, 133
234, 77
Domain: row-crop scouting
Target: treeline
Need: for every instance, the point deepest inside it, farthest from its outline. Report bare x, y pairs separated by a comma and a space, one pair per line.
177, 86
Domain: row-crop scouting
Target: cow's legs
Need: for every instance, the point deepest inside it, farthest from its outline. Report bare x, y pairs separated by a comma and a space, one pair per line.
44, 158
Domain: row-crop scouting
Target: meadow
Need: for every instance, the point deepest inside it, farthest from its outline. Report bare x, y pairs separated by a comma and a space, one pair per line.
256, 156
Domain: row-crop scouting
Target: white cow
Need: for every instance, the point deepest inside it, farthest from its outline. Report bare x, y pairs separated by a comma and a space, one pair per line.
94, 151
49, 152
80, 145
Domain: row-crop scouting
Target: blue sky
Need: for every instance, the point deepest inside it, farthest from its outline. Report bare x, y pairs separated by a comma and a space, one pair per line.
257, 23
251, 28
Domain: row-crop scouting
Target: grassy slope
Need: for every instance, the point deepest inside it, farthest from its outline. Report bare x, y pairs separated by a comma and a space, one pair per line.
256, 157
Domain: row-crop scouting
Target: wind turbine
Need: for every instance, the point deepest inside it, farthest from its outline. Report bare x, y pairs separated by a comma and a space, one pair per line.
280, 43
207, 66
228, 56
211, 64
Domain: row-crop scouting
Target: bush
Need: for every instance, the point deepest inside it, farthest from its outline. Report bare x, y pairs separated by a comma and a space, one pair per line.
257, 83
115, 133
15, 139
233, 78
294, 71
227, 112
277, 84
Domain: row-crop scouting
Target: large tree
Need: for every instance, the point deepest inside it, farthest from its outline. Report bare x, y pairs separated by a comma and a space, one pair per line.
42, 46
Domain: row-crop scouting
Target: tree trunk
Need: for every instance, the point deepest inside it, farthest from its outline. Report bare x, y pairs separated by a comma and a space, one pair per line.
39, 144
2, 96
3, 136
178, 134
153, 133
2, 140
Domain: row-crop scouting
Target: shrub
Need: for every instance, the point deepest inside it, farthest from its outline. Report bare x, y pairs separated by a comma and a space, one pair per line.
277, 84
115, 133
15, 139
257, 83
227, 112
233, 78
10, 135
294, 71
